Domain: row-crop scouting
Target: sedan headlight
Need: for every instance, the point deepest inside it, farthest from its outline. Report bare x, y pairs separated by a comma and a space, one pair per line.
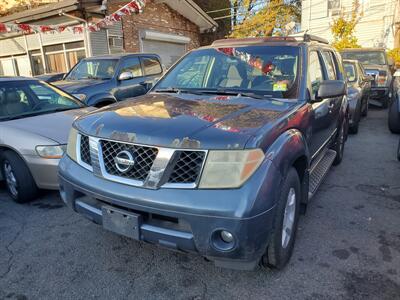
81, 97
230, 169
51, 152
71, 146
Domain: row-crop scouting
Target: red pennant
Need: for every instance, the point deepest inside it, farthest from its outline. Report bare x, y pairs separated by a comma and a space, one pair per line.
25, 28
45, 28
3, 28
133, 5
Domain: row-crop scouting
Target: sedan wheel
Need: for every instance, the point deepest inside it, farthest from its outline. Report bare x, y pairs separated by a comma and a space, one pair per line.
12, 184
20, 183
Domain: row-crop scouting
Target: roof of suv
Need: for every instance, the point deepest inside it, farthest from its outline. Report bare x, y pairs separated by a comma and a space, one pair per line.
361, 49
275, 40
119, 55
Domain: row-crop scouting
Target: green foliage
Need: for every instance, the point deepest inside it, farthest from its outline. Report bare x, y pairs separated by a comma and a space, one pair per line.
272, 17
344, 26
395, 55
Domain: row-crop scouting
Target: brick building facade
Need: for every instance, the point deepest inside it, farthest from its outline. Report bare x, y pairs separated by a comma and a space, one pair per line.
168, 28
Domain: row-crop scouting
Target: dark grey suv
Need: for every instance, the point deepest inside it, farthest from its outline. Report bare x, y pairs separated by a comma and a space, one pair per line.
221, 156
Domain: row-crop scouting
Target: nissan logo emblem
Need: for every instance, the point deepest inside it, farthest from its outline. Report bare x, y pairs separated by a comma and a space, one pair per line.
124, 161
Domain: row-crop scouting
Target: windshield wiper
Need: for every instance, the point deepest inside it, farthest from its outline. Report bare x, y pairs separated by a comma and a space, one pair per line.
177, 91
237, 93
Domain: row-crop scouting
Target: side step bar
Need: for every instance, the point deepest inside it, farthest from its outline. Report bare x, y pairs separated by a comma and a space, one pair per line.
319, 171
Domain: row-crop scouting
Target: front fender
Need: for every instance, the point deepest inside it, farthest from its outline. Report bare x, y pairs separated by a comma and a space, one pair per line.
101, 97
287, 148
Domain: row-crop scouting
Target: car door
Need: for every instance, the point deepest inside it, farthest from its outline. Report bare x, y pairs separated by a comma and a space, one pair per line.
331, 67
152, 70
321, 118
131, 85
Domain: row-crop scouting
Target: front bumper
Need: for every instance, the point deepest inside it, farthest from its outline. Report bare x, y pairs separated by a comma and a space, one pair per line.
185, 219
44, 171
380, 93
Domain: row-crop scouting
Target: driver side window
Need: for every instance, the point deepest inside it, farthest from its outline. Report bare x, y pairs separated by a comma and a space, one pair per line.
315, 74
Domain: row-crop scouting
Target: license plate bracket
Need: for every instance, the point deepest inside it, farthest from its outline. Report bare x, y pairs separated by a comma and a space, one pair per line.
121, 222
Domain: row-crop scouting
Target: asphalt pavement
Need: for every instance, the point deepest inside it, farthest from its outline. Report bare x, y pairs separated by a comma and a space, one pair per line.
348, 245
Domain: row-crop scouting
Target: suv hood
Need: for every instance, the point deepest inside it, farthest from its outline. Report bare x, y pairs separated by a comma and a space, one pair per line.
54, 126
77, 86
184, 121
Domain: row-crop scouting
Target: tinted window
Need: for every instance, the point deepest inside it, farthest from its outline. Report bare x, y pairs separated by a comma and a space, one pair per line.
25, 98
330, 65
366, 57
350, 72
258, 69
315, 74
93, 69
151, 66
132, 64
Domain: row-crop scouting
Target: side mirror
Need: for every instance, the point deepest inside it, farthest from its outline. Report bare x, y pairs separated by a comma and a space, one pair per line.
331, 89
125, 76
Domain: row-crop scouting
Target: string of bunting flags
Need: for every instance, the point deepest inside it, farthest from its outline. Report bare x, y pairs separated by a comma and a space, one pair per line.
133, 7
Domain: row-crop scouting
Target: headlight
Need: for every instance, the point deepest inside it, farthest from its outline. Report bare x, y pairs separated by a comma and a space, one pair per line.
230, 169
71, 147
81, 97
51, 152
382, 78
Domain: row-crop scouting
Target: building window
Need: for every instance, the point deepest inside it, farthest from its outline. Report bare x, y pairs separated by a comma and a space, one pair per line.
334, 7
37, 62
62, 57
116, 43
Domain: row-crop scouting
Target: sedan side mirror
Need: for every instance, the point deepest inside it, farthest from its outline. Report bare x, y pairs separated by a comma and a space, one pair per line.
125, 76
331, 89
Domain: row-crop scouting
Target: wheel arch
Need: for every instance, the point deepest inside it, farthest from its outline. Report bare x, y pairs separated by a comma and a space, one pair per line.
290, 149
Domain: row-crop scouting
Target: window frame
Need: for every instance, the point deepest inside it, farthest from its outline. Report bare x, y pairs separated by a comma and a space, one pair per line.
141, 57
323, 71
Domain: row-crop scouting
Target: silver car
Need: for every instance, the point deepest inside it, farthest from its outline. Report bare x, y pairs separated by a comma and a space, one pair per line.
35, 119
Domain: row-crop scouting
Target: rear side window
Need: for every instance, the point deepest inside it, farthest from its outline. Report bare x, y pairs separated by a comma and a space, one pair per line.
151, 66
330, 65
315, 74
132, 64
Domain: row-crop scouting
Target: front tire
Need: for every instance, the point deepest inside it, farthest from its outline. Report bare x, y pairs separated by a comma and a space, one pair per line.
394, 117
19, 181
339, 144
284, 229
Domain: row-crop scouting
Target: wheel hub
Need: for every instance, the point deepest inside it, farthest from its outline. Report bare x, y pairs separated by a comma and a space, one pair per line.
288, 219
12, 184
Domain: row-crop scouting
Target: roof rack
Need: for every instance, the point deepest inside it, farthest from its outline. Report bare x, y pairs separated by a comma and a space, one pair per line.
313, 38
249, 41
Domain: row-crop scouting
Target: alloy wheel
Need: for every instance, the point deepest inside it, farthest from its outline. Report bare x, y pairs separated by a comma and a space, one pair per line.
11, 180
288, 218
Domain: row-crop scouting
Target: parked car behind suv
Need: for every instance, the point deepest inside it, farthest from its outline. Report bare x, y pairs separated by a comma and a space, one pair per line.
380, 67
102, 80
221, 156
358, 91
35, 119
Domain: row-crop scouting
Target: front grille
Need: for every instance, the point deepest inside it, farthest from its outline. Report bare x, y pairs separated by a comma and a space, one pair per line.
188, 167
85, 150
143, 156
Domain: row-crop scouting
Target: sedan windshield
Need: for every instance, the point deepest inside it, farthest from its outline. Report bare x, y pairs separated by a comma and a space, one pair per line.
100, 69
366, 58
20, 99
255, 70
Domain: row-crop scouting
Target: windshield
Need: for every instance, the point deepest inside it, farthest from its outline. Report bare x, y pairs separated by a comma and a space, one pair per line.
350, 72
100, 69
262, 70
21, 99
366, 58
